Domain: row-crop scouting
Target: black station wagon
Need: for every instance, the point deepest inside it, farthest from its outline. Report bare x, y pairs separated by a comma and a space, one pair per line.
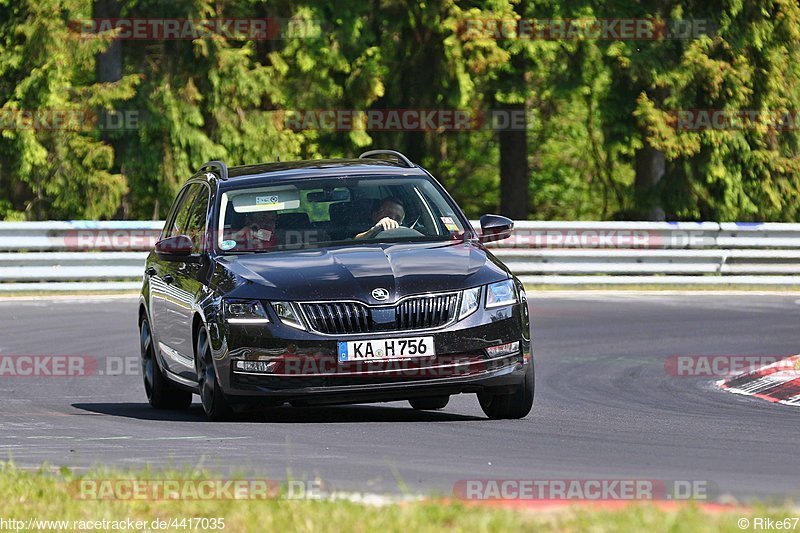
330, 282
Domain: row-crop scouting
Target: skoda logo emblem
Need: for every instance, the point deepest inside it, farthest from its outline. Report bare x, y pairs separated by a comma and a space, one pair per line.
380, 294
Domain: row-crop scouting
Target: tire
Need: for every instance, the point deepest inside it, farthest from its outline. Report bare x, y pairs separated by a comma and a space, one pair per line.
430, 404
514, 405
160, 392
213, 399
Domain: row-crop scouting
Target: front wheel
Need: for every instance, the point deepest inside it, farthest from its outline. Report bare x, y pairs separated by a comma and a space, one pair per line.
160, 392
514, 405
211, 396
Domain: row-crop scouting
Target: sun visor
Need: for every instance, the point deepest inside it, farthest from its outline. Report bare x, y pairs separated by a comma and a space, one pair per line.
268, 199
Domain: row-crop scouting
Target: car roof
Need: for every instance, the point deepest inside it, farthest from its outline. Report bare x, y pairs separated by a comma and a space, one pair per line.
265, 172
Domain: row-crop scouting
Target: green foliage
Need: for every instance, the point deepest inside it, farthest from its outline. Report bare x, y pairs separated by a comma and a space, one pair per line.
750, 63
593, 105
47, 495
48, 172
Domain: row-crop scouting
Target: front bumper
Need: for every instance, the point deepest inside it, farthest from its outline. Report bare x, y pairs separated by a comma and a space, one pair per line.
303, 366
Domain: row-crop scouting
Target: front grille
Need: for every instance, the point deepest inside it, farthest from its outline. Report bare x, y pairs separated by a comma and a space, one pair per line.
426, 311
339, 317
418, 312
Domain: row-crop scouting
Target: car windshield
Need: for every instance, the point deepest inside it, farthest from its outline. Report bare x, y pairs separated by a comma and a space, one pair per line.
311, 213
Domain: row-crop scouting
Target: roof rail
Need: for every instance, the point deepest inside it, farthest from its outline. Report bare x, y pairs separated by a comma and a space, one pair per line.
223, 168
394, 153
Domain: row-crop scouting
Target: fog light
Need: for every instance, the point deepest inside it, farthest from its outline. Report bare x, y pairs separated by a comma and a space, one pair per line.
503, 349
255, 366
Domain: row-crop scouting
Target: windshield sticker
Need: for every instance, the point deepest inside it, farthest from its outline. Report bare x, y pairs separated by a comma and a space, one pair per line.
227, 245
449, 224
267, 200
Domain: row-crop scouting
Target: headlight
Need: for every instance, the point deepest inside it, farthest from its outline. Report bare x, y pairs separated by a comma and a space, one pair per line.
469, 302
244, 312
288, 314
500, 294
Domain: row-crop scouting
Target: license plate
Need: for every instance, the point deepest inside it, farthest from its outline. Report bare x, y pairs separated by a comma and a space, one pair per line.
383, 349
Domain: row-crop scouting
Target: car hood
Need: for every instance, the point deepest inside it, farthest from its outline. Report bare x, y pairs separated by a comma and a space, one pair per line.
352, 272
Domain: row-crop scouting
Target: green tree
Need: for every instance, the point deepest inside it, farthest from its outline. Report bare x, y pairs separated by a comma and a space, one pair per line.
750, 62
50, 169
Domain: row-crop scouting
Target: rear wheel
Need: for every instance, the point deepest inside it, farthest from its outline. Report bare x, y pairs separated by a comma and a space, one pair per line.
517, 404
429, 404
214, 403
160, 392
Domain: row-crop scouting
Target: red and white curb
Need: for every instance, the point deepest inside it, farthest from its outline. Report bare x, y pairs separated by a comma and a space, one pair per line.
778, 382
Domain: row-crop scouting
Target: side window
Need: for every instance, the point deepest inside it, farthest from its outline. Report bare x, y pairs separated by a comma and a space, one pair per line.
169, 225
178, 225
196, 219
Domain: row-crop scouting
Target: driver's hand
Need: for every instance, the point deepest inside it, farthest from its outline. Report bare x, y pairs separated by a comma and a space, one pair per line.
385, 224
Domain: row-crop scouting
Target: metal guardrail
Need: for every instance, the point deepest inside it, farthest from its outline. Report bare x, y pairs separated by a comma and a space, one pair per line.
102, 256
657, 253
86, 235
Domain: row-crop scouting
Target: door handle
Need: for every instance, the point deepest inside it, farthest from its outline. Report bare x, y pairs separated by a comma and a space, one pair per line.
168, 279
150, 271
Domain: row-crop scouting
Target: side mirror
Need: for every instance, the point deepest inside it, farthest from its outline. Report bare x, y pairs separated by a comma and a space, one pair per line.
177, 248
495, 228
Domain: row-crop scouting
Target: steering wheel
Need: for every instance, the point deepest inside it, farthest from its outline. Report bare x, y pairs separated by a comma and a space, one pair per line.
401, 231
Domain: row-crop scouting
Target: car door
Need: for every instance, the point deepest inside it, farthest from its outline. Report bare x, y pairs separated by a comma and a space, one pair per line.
189, 282
157, 268
170, 301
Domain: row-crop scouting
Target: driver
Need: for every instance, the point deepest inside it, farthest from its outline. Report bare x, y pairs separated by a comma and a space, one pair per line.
258, 232
389, 215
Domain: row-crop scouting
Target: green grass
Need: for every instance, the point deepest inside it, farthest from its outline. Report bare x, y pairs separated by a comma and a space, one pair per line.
47, 495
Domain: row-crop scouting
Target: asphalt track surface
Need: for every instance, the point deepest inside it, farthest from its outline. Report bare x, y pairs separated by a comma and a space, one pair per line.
605, 407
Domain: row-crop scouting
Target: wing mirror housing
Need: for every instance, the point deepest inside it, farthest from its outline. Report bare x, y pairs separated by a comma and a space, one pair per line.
177, 248
495, 228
